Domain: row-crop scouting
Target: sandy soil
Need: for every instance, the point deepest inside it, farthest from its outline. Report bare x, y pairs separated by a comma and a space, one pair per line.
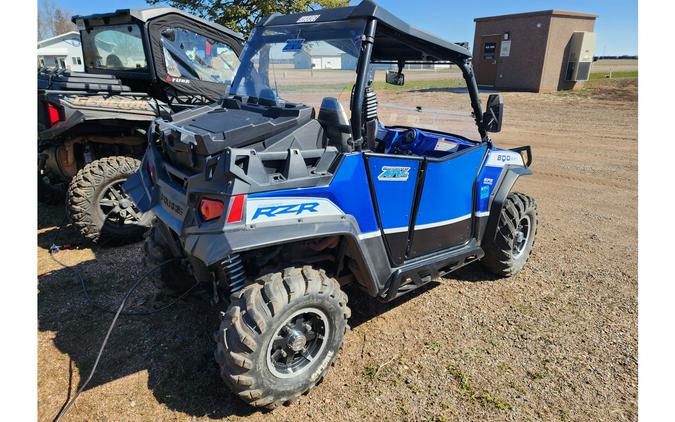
556, 342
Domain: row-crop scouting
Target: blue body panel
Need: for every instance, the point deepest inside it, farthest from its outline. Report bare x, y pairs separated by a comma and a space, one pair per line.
486, 183
348, 190
393, 192
448, 188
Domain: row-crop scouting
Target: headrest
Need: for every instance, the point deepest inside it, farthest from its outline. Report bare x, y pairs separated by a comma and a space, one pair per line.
330, 106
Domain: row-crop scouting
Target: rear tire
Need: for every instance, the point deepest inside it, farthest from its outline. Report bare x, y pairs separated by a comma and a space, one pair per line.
173, 278
98, 206
280, 335
508, 251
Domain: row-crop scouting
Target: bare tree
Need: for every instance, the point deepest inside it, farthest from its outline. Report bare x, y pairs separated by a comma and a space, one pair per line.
53, 20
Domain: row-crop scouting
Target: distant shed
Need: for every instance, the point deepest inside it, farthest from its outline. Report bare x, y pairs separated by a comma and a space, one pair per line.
324, 57
536, 51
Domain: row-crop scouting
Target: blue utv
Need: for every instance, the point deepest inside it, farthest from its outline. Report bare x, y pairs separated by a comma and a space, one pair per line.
276, 197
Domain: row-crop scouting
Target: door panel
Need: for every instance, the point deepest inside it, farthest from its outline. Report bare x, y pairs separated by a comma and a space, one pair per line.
444, 216
486, 69
393, 181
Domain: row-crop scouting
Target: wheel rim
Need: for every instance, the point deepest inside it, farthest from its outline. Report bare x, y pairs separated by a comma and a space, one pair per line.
522, 237
116, 207
299, 341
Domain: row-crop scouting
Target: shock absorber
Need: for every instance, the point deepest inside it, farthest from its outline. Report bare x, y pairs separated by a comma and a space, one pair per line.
231, 270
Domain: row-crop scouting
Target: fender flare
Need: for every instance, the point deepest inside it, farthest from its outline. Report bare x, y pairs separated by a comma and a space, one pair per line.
209, 248
508, 178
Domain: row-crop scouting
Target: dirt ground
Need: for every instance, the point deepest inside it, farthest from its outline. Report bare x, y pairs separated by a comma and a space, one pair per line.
556, 342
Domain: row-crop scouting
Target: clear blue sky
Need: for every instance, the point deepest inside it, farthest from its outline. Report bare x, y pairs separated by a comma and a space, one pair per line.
453, 20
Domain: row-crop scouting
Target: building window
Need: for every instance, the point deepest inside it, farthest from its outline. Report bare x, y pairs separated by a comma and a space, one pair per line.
79, 60
74, 60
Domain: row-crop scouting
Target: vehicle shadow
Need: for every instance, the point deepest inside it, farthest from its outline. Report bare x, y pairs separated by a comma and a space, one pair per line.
175, 346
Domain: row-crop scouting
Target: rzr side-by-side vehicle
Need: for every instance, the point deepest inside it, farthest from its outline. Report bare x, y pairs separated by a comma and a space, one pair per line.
140, 64
279, 206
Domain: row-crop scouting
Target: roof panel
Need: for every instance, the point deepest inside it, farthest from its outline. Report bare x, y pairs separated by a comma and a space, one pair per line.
394, 38
144, 15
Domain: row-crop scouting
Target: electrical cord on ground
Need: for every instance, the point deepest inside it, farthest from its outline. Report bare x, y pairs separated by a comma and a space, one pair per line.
55, 249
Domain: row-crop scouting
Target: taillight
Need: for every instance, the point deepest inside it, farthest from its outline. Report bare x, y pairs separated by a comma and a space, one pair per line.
53, 113
236, 209
210, 209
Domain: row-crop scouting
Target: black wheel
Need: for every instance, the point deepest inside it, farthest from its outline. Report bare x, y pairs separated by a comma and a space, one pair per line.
100, 208
174, 278
509, 250
280, 335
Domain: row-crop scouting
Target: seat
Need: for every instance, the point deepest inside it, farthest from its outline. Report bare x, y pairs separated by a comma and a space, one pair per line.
113, 62
334, 120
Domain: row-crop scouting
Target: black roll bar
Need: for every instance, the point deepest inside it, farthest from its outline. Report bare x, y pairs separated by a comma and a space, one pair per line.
361, 80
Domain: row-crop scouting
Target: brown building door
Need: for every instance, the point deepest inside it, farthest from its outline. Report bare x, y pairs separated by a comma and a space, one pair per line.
486, 69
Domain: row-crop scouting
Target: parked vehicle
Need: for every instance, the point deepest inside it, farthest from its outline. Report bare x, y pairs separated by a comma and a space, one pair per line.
140, 64
278, 206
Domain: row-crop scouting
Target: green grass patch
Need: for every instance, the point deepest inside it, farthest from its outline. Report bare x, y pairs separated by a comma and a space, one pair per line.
411, 85
484, 398
615, 75
421, 84
370, 371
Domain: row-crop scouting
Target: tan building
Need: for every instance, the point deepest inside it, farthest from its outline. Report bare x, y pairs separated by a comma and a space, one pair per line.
533, 51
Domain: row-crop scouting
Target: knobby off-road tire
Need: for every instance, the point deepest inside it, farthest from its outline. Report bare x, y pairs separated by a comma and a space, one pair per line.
511, 247
173, 278
264, 319
98, 206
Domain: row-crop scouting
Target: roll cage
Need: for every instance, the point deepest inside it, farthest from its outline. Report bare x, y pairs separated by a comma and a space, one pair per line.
389, 40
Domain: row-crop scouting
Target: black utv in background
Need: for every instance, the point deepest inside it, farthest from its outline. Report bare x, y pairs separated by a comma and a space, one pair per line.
139, 64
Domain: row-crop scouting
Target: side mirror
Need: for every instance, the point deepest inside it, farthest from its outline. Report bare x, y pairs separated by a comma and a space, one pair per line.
395, 78
492, 118
169, 34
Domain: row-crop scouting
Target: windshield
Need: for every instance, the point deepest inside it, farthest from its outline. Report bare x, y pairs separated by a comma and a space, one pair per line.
306, 63
433, 97
118, 47
301, 63
193, 56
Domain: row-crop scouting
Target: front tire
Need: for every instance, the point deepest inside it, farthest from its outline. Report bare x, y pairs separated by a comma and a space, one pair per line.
280, 335
99, 207
508, 251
